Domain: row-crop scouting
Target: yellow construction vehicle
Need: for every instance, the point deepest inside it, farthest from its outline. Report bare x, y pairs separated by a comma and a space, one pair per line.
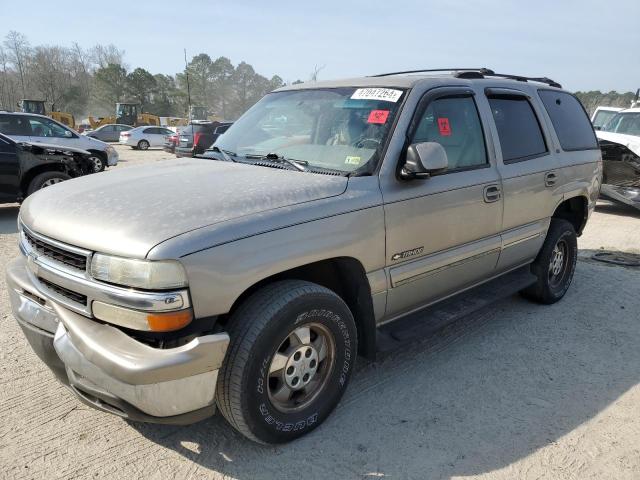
38, 107
126, 114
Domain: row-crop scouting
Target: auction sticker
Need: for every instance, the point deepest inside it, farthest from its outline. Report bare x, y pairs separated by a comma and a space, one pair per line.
378, 116
385, 94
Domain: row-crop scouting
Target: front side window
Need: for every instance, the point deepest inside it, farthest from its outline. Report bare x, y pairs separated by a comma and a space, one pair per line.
453, 122
569, 120
336, 128
42, 127
518, 128
624, 122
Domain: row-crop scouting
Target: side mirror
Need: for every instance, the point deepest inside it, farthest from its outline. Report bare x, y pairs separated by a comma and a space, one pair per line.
423, 160
597, 127
68, 134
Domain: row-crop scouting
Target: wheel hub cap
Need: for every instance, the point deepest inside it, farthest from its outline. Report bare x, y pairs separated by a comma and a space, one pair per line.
557, 261
301, 367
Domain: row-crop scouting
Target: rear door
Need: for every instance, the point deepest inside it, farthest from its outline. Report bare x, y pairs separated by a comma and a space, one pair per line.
531, 174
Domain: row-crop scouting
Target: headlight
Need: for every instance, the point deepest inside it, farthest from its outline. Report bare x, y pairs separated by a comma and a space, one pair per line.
145, 274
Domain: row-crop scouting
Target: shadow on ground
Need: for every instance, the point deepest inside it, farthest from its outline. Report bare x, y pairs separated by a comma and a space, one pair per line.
481, 394
8, 219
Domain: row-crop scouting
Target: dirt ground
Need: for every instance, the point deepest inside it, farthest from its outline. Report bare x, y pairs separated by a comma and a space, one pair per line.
517, 391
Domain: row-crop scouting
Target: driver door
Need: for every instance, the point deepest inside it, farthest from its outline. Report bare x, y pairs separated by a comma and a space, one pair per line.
443, 232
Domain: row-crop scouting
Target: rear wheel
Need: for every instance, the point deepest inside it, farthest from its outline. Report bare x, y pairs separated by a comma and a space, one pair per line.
143, 145
555, 264
292, 352
46, 179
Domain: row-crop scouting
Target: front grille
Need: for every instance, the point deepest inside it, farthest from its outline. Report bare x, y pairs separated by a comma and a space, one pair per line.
73, 260
65, 292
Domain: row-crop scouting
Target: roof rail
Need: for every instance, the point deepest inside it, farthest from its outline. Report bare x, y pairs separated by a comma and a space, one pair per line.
477, 73
481, 69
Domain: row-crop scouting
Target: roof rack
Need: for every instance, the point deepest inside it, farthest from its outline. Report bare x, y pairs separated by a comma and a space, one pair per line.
477, 73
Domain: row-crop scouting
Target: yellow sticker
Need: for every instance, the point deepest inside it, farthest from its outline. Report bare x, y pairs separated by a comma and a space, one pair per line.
352, 160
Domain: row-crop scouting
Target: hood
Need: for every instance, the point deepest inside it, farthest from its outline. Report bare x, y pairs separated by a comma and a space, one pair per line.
127, 212
56, 148
632, 142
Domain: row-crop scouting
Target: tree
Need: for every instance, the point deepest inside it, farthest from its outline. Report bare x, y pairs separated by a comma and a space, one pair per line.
50, 70
140, 85
111, 83
19, 49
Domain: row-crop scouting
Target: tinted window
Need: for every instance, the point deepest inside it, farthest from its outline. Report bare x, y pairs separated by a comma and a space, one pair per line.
150, 130
454, 123
569, 120
15, 125
42, 127
602, 117
518, 128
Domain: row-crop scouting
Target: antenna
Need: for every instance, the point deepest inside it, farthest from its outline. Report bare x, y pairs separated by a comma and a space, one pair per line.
186, 71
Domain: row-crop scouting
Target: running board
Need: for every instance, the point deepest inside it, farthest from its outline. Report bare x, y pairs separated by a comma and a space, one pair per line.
435, 317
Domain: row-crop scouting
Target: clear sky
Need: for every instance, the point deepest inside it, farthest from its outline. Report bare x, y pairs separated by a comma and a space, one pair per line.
583, 44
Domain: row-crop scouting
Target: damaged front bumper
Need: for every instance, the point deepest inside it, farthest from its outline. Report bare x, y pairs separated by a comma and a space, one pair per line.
109, 370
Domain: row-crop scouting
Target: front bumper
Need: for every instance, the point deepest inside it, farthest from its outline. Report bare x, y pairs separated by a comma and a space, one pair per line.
111, 371
112, 158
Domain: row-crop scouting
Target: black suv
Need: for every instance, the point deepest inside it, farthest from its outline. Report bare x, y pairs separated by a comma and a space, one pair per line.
196, 137
28, 167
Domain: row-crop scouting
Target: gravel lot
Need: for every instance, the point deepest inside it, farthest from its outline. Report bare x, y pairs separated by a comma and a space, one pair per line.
515, 391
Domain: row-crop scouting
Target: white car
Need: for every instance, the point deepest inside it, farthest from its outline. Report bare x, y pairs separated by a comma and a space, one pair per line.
602, 115
142, 138
28, 127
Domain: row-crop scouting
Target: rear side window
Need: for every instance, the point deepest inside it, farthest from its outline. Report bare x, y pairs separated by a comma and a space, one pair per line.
569, 120
15, 125
150, 131
518, 128
453, 122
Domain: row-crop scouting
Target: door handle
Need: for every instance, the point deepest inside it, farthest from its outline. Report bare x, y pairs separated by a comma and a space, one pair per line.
550, 179
492, 193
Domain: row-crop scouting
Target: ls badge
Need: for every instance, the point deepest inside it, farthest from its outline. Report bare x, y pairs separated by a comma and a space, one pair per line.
407, 254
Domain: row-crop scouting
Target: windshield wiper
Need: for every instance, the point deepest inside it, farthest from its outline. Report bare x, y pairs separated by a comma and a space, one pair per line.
275, 158
226, 155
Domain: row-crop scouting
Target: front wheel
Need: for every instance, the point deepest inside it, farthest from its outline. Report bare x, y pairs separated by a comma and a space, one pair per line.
292, 351
97, 163
555, 264
46, 179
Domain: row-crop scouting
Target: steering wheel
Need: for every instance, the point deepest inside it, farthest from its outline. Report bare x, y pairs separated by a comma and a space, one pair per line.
371, 143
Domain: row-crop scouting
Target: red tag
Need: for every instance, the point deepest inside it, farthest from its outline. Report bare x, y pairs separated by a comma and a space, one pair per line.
378, 116
444, 127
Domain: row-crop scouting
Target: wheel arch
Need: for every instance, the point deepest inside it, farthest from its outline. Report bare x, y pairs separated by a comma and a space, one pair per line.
346, 277
32, 173
575, 210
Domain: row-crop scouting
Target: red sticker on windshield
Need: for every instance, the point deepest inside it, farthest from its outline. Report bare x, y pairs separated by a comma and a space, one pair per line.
378, 116
444, 127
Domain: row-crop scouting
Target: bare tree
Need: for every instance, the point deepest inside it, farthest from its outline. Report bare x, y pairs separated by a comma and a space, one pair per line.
18, 47
316, 70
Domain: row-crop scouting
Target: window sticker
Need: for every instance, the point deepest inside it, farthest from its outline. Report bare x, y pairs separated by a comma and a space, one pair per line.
378, 116
384, 94
444, 127
352, 160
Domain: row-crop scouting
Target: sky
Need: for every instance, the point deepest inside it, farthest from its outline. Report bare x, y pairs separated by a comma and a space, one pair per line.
584, 45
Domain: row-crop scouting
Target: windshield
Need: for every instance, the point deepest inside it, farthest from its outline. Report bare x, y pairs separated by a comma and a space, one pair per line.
339, 128
627, 123
602, 117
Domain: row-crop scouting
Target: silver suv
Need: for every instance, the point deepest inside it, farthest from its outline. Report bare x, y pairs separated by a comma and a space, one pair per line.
328, 222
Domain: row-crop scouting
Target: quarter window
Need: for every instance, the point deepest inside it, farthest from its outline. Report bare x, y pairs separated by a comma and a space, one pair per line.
518, 128
569, 120
453, 122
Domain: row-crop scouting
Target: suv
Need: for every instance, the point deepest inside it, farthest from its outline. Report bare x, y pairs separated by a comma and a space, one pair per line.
26, 127
28, 167
197, 137
333, 214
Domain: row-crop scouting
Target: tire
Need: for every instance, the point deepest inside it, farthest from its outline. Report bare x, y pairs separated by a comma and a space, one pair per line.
554, 269
262, 331
98, 161
143, 145
46, 179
